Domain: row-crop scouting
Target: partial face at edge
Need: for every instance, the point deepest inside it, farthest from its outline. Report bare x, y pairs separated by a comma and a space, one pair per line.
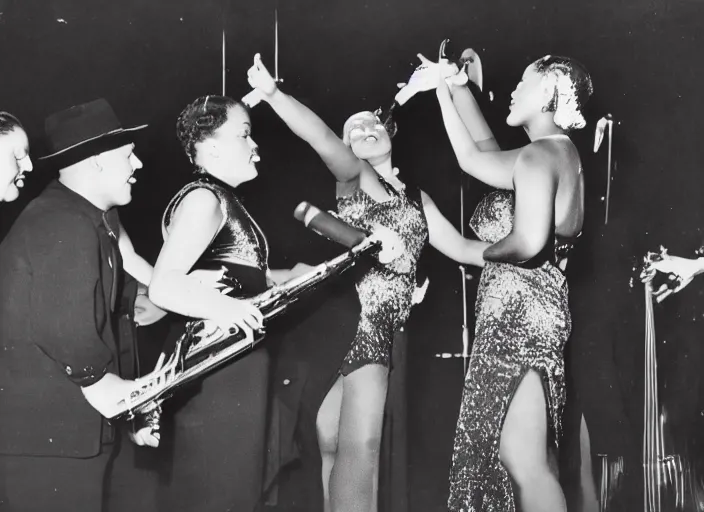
14, 163
367, 136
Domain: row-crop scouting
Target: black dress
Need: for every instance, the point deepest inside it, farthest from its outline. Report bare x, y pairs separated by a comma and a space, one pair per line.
216, 430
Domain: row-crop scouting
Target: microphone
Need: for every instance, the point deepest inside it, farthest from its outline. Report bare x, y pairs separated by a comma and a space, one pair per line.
328, 225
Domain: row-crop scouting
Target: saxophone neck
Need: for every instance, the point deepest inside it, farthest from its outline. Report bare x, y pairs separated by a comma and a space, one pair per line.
273, 297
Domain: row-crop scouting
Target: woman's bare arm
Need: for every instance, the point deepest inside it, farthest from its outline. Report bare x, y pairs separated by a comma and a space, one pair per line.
495, 168
446, 239
306, 124
196, 222
473, 118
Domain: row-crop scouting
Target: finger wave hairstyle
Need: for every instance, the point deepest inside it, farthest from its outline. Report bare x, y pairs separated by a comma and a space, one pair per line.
572, 89
200, 119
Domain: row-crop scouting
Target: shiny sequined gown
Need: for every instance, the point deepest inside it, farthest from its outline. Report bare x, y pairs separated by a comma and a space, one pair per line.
214, 431
385, 291
350, 321
522, 324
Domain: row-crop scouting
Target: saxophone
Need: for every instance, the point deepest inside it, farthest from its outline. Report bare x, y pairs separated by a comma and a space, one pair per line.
204, 347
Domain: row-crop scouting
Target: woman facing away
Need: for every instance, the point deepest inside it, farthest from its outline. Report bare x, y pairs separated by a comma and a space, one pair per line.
14, 157
369, 194
514, 391
213, 253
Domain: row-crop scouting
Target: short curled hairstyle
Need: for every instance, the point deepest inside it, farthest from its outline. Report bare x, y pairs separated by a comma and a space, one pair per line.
8, 122
572, 89
200, 119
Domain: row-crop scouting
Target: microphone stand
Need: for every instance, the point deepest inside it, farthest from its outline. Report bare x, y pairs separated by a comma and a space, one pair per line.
465, 277
605, 123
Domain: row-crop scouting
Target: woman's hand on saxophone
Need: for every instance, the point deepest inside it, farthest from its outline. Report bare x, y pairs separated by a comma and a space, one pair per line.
280, 276
391, 244
240, 314
299, 269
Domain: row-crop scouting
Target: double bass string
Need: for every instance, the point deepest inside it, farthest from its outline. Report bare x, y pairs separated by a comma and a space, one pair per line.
653, 449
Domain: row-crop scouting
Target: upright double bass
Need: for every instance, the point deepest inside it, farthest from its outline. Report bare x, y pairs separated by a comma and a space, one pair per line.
669, 483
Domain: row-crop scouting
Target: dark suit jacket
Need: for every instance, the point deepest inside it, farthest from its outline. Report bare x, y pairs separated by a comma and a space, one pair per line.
60, 272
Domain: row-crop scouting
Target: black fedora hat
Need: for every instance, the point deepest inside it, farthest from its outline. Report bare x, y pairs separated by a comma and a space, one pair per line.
85, 130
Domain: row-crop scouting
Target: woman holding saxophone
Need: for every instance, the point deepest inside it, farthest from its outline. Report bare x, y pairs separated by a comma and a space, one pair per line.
219, 425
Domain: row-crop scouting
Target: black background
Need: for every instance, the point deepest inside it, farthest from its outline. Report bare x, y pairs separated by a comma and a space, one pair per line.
149, 59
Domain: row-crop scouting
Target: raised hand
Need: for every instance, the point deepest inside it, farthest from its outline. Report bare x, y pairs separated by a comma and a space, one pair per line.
471, 64
425, 78
428, 75
449, 71
261, 81
260, 78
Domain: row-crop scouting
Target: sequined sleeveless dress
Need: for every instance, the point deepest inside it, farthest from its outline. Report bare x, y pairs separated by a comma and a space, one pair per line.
239, 240
385, 291
522, 324
217, 435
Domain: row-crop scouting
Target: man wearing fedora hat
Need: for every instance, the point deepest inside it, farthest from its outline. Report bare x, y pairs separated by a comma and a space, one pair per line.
61, 271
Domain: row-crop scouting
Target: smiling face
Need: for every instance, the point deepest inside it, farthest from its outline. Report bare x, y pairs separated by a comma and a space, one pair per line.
14, 163
528, 99
367, 136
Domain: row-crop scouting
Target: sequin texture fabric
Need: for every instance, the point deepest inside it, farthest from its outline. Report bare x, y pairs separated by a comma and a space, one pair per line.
522, 325
385, 291
239, 240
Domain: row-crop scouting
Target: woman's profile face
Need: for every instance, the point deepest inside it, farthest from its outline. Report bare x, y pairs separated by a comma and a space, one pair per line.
529, 97
367, 136
14, 163
236, 152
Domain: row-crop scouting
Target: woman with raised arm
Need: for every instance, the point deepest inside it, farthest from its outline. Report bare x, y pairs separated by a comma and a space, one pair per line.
213, 253
514, 392
369, 195
14, 154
